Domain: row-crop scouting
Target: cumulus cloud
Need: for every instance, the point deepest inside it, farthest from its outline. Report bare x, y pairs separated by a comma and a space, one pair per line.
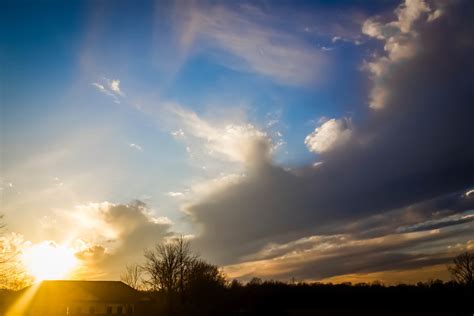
416, 148
330, 135
108, 236
233, 141
400, 40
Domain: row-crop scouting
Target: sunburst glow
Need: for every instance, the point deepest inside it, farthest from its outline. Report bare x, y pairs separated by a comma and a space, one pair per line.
49, 261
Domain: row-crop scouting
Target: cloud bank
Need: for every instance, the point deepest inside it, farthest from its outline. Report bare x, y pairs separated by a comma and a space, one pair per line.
412, 158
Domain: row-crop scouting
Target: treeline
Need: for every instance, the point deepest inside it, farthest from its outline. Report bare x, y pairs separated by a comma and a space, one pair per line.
181, 283
279, 298
432, 298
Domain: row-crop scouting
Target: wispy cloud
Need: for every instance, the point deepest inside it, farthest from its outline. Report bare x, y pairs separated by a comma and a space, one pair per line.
320, 257
110, 87
175, 194
135, 146
455, 219
242, 40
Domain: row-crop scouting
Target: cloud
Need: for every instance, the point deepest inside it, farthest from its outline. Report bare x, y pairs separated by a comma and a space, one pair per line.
135, 146
331, 134
455, 219
175, 194
239, 142
408, 13
240, 39
93, 253
114, 86
401, 43
320, 257
108, 236
415, 215
110, 87
415, 149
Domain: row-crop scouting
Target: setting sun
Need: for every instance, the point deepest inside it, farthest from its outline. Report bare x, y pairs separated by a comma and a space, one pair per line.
49, 261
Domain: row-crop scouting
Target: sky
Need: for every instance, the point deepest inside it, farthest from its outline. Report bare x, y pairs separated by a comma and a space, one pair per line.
290, 140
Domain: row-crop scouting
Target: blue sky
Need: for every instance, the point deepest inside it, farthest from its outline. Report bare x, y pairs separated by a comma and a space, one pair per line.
169, 103
56, 51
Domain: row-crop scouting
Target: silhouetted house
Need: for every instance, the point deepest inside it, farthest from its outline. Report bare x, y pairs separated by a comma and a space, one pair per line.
52, 298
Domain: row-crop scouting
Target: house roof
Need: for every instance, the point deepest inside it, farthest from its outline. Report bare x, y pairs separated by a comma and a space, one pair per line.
99, 291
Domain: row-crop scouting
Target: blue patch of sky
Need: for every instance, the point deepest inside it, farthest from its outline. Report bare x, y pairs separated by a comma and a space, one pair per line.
52, 52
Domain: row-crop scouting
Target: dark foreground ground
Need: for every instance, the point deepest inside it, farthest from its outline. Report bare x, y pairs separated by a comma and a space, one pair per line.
371, 313
275, 298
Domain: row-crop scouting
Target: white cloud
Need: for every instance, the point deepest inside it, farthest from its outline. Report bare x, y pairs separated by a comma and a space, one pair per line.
223, 181
434, 15
110, 87
178, 133
331, 134
162, 220
135, 146
256, 47
400, 44
408, 13
231, 141
115, 86
99, 86
175, 194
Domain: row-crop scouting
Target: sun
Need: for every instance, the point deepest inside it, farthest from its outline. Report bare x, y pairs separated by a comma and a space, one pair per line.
49, 261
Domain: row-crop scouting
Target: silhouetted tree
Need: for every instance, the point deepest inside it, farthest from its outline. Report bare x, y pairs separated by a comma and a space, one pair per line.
166, 266
204, 290
133, 276
462, 269
172, 268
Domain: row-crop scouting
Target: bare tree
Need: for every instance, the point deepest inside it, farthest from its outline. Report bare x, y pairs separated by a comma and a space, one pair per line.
133, 276
12, 273
462, 269
167, 266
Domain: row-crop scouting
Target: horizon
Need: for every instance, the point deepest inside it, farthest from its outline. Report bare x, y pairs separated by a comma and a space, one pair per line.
316, 141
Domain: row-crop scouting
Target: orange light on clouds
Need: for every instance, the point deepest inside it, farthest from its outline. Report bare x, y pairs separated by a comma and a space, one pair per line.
49, 261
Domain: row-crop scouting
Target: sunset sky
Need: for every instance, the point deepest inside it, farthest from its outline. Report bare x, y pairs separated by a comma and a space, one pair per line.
320, 140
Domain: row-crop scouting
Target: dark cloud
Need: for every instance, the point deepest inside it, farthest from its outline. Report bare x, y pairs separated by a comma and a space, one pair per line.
418, 147
329, 256
456, 219
434, 210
